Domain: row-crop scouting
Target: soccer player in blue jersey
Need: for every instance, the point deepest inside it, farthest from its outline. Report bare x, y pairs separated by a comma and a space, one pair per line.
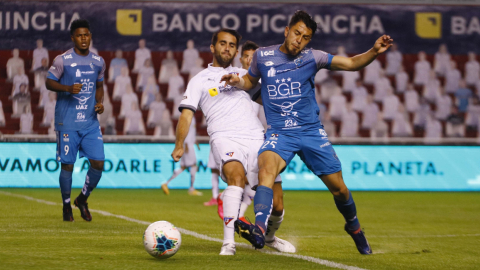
77, 77
287, 72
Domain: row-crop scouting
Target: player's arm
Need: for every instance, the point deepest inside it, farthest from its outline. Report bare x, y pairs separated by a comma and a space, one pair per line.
182, 131
55, 86
360, 61
246, 82
99, 94
55, 73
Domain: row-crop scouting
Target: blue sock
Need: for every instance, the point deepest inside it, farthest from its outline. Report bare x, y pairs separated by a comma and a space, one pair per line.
349, 212
263, 204
91, 181
65, 185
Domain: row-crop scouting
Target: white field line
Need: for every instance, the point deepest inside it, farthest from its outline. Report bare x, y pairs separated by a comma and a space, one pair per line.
200, 236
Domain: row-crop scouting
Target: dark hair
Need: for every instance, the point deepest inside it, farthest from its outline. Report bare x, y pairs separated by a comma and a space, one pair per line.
303, 16
249, 45
80, 23
226, 30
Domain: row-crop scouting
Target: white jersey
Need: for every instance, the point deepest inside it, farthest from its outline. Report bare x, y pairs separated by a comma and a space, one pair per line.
228, 110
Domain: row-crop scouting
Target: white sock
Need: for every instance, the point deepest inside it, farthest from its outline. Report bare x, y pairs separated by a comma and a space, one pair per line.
175, 174
215, 185
248, 195
232, 197
274, 223
193, 172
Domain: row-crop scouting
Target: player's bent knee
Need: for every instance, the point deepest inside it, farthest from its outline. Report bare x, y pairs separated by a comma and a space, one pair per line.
97, 164
340, 193
67, 167
236, 180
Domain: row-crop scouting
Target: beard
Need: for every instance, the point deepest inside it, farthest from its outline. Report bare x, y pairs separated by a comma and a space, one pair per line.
223, 61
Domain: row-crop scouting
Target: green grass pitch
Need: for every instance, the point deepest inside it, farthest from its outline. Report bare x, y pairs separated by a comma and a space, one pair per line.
407, 230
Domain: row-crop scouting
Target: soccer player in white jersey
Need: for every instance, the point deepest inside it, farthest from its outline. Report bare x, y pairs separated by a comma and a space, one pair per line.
235, 132
188, 160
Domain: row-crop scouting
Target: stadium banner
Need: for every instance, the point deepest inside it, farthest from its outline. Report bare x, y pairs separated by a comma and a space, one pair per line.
391, 168
119, 25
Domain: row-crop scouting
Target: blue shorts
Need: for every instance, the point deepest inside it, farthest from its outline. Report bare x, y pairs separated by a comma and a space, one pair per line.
89, 142
313, 147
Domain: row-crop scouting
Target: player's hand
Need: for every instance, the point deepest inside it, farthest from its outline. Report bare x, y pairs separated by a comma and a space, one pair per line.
75, 89
99, 108
383, 43
230, 79
177, 153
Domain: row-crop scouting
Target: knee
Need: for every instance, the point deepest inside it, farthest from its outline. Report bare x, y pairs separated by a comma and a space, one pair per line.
236, 180
340, 193
266, 177
97, 164
67, 167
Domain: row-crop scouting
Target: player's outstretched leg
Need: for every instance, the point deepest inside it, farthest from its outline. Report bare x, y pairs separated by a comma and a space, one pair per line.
345, 204
91, 182
176, 173
192, 191
275, 221
65, 180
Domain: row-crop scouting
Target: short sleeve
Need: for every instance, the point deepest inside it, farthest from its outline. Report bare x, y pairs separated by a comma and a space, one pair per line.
323, 59
253, 70
102, 72
192, 96
56, 70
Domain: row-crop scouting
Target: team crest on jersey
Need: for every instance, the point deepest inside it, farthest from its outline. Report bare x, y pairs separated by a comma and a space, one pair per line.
227, 220
230, 154
65, 138
91, 66
213, 91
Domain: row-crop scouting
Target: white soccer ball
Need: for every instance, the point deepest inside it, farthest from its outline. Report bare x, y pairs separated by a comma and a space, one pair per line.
162, 240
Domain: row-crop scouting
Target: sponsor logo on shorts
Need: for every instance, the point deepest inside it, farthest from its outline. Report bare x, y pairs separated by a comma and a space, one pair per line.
322, 132
274, 136
184, 97
227, 220
325, 144
65, 138
230, 154
100, 138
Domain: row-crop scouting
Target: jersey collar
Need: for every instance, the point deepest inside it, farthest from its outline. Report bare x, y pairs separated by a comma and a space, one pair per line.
218, 69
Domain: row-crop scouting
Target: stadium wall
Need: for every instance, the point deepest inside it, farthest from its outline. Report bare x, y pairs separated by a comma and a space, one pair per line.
119, 25
148, 165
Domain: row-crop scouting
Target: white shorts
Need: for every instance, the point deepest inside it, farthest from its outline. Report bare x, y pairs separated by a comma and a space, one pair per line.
244, 151
189, 159
211, 161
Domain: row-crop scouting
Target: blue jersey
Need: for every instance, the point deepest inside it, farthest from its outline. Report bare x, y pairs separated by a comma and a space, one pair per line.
288, 89
75, 112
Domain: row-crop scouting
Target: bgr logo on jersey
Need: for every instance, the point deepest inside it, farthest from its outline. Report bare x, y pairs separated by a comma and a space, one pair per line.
285, 89
87, 86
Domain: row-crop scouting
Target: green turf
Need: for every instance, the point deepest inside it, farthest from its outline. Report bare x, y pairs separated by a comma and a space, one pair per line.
406, 231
